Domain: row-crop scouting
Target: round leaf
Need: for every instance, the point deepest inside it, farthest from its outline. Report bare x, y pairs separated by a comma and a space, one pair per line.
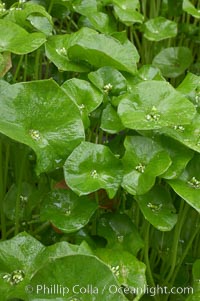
100, 50
109, 81
188, 184
159, 28
40, 115
189, 135
143, 161
156, 206
67, 211
84, 94
56, 51
154, 104
15, 39
120, 232
91, 167
127, 11
71, 273
173, 61
130, 272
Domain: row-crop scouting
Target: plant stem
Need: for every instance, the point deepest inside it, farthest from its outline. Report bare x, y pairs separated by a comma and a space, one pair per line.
2, 215
146, 259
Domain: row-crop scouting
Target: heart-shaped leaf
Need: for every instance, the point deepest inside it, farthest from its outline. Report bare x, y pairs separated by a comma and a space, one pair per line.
100, 50
15, 39
40, 115
173, 61
120, 232
143, 161
156, 206
148, 72
188, 184
66, 210
91, 167
159, 28
154, 104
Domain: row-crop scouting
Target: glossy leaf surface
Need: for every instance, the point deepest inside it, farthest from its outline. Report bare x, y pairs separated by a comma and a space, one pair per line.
120, 232
110, 121
91, 167
173, 61
154, 104
191, 9
143, 161
127, 11
15, 39
66, 210
156, 206
188, 184
100, 50
46, 120
159, 28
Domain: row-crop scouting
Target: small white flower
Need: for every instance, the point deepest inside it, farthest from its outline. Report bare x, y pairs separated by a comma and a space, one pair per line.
194, 183
107, 88
94, 174
35, 134
140, 167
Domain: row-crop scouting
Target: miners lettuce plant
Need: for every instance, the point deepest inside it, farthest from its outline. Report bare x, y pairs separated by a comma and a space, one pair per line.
99, 150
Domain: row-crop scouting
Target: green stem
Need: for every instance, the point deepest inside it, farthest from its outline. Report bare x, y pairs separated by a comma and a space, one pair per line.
146, 258
18, 68
37, 65
19, 186
50, 6
174, 249
2, 215
185, 253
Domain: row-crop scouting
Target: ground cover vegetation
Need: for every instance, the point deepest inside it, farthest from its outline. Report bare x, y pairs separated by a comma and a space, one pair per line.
99, 150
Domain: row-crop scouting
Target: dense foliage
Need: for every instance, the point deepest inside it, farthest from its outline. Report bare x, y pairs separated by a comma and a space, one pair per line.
99, 150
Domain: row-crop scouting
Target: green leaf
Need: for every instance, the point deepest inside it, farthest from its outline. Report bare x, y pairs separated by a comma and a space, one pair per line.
91, 167
66, 210
127, 11
84, 94
148, 72
188, 184
100, 50
31, 17
143, 161
190, 9
153, 105
189, 134
76, 281
159, 28
17, 257
120, 232
99, 21
37, 114
179, 154
173, 61
109, 80
156, 206
56, 50
190, 87
110, 121
18, 40
129, 271
84, 7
